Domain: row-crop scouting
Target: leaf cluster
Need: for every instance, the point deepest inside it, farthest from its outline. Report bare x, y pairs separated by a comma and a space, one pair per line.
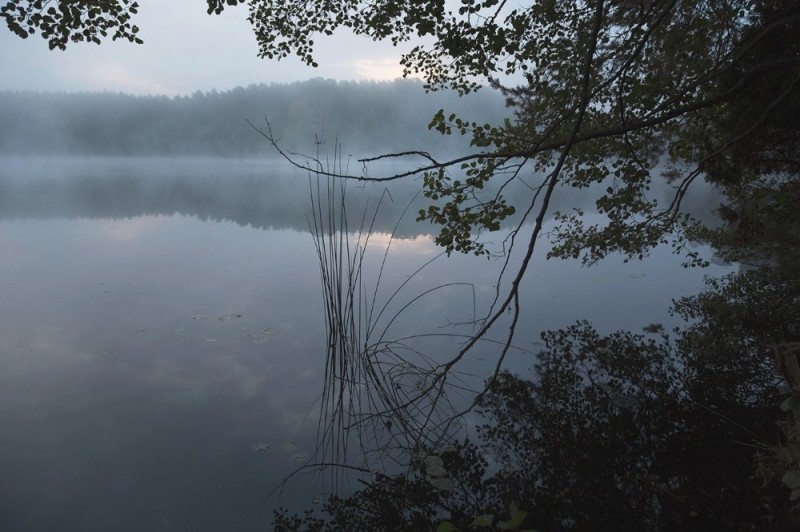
65, 21
461, 210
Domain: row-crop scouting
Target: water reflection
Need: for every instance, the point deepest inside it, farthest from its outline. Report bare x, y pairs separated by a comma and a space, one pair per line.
122, 407
153, 364
256, 192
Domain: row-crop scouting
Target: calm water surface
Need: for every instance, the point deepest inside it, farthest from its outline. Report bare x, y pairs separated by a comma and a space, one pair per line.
162, 336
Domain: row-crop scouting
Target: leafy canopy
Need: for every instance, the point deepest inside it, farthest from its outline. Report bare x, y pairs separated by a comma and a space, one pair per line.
607, 95
68, 21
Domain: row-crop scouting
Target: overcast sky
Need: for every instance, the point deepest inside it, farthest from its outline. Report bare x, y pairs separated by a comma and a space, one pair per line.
184, 50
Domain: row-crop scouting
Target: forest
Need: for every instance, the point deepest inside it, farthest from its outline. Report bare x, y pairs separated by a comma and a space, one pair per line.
366, 118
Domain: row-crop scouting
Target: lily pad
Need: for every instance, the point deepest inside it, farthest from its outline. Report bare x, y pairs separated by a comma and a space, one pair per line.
288, 447
226, 317
260, 337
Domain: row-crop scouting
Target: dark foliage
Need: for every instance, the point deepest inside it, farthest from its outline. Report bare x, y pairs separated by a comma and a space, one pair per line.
74, 21
617, 432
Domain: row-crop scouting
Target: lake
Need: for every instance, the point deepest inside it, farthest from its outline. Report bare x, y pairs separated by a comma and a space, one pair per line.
162, 336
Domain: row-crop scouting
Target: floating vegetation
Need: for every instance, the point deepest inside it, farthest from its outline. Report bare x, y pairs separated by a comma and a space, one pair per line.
288, 447
138, 330
300, 457
104, 352
199, 317
233, 315
210, 340
260, 337
260, 446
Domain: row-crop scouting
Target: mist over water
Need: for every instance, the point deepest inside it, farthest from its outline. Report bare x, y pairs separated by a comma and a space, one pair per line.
161, 327
261, 193
365, 118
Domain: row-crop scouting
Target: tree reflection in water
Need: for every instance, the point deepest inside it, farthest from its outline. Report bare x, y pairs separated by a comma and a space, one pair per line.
618, 432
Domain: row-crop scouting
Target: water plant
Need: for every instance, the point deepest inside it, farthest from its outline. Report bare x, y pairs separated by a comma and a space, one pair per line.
377, 392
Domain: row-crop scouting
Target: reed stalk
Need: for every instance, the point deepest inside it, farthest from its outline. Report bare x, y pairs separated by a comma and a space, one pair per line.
376, 403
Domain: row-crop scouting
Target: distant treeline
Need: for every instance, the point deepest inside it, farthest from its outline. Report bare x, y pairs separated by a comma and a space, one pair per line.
365, 117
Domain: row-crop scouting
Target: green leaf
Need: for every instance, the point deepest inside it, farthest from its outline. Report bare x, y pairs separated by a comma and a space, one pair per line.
517, 517
483, 520
445, 526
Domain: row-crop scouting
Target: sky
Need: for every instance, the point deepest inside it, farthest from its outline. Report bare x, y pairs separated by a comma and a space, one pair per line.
184, 50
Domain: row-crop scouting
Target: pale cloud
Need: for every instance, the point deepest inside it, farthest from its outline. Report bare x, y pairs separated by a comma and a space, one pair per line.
116, 77
381, 69
126, 230
419, 246
186, 50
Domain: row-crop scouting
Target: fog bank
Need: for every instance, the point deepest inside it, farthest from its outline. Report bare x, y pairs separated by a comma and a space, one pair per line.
366, 118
